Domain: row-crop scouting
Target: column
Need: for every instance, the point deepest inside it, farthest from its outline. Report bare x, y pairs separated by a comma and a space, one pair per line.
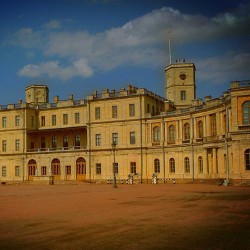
215, 171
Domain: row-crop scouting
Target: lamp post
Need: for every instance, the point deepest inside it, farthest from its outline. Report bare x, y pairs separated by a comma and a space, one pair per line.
114, 177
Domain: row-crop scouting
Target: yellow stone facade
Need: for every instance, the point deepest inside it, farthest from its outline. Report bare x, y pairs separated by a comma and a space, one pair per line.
179, 138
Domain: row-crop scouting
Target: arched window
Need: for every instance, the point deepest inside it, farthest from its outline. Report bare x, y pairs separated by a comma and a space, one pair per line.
156, 134
200, 129
246, 112
171, 134
32, 166
200, 164
55, 167
186, 131
247, 159
80, 166
172, 165
187, 165
157, 166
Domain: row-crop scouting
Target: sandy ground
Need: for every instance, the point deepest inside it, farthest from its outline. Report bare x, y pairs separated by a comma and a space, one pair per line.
143, 216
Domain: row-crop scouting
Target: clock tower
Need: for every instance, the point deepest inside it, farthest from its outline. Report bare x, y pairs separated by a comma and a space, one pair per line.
180, 83
37, 94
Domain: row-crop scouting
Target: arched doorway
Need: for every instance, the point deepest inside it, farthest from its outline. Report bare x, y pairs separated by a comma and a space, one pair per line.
32, 167
55, 169
80, 169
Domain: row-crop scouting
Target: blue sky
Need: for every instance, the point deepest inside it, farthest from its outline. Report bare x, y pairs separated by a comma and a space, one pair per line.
79, 46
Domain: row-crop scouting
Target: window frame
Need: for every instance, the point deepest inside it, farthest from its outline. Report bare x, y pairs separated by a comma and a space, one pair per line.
183, 95
132, 138
133, 167
172, 165
156, 134
97, 113
157, 167
98, 140
4, 122
115, 138
77, 118
114, 111
98, 168
247, 159
131, 109
246, 113
17, 145
200, 165
17, 120
53, 120
187, 165
65, 119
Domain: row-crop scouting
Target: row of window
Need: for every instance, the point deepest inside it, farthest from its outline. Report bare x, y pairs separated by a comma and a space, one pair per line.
81, 166
172, 165
115, 138
115, 111
4, 145
17, 121
54, 142
65, 119
17, 171
186, 131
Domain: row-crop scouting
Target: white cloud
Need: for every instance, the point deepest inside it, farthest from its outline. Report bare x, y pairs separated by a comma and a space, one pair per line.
54, 70
142, 41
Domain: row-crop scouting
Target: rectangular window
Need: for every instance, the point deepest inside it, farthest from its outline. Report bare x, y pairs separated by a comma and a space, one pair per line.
32, 121
148, 108
44, 170
43, 121
77, 141
53, 142
77, 118
114, 111
98, 168
17, 144
98, 140
4, 145
17, 120
97, 113
65, 119
116, 168
4, 122
4, 171
68, 170
17, 171
131, 110
65, 142
213, 124
183, 95
132, 137
133, 167
53, 120
43, 146
115, 138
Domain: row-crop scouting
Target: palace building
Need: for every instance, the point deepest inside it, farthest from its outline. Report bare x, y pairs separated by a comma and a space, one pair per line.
133, 132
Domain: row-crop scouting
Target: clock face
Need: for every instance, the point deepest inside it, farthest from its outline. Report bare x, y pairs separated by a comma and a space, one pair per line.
183, 76
38, 94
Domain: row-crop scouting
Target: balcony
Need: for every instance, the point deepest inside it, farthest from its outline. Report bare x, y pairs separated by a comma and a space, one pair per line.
60, 149
244, 127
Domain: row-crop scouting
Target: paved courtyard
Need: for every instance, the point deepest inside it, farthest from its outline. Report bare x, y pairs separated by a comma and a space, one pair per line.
143, 216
